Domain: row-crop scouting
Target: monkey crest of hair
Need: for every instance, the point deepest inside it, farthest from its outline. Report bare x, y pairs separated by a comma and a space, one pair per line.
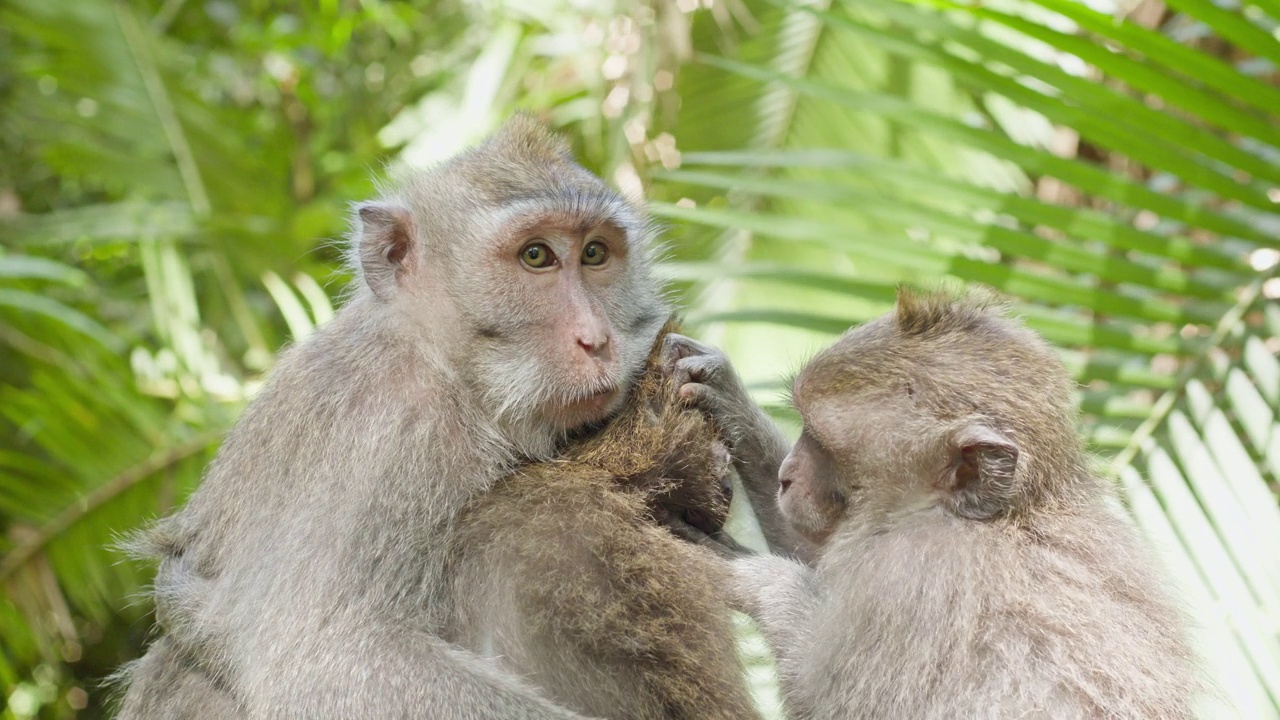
504, 301
970, 563
613, 615
953, 358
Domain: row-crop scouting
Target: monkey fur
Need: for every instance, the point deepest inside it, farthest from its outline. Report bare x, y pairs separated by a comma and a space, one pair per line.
504, 300
969, 564
611, 615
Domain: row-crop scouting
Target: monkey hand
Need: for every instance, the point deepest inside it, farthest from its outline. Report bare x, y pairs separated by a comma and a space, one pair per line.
706, 380
717, 541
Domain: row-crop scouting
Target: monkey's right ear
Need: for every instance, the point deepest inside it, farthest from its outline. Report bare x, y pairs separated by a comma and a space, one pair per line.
385, 245
982, 475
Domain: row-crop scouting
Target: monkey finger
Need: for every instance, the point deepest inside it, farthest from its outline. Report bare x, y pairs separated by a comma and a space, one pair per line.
719, 542
693, 392
702, 397
723, 544
678, 347
705, 369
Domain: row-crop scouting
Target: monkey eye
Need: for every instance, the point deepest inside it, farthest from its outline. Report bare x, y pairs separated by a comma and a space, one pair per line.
594, 253
537, 255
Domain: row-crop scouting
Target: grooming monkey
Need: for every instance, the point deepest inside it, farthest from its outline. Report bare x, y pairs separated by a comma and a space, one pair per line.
968, 564
561, 573
504, 300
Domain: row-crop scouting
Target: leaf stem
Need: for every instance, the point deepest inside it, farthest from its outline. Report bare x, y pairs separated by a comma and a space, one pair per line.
99, 496
1165, 403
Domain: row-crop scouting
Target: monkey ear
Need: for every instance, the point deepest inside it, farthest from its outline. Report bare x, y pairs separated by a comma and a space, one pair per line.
982, 474
385, 245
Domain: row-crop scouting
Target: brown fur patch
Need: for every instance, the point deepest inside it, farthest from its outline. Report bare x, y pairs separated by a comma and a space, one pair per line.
610, 613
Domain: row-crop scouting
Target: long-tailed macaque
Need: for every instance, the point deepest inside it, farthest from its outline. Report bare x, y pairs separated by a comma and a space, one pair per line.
504, 300
969, 564
561, 574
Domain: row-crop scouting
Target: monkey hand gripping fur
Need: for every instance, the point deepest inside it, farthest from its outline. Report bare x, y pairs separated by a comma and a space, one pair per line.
503, 301
704, 378
564, 575
969, 564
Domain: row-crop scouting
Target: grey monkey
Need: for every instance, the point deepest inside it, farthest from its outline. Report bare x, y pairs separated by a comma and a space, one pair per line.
960, 559
504, 300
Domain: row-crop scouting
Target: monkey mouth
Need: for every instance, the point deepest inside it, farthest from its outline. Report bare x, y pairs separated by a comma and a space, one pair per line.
600, 399
588, 409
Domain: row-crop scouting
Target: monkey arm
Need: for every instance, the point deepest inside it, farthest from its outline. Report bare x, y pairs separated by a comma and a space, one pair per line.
781, 595
758, 451
389, 671
707, 379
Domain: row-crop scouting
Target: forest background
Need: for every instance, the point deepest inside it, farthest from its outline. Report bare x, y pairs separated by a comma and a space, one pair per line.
176, 177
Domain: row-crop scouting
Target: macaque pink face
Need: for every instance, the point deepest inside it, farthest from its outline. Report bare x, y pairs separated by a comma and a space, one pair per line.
567, 313
808, 492
574, 273
878, 443
852, 447
529, 273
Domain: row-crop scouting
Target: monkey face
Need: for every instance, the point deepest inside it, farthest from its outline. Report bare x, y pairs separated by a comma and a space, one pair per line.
809, 493
567, 316
576, 272
868, 447
928, 407
580, 311
528, 273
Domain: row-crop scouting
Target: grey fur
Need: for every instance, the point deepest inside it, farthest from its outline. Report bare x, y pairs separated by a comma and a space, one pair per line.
1017, 593
304, 579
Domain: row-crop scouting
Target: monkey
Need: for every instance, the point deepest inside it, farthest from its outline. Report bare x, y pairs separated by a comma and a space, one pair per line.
610, 614
968, 563
166, 684
502, 301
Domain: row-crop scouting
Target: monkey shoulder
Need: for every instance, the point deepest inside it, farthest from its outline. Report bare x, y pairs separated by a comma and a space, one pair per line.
1070, 601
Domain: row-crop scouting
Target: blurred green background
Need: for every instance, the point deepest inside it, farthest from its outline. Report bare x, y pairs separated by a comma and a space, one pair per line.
175, 177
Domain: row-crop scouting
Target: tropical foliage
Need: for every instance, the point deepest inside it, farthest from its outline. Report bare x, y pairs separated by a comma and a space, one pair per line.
175, 176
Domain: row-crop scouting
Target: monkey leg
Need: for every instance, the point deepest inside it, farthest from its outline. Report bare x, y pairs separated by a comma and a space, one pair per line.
165, 685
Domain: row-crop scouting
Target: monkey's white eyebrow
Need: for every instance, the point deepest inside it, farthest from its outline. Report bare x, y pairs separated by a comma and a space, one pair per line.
528, 215
814, 438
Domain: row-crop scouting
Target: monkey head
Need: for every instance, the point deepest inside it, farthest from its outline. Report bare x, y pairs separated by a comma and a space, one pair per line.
659, 444
528, 274
944, 403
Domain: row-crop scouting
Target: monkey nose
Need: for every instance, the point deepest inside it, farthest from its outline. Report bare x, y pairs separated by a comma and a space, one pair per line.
594, 346
783, 485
